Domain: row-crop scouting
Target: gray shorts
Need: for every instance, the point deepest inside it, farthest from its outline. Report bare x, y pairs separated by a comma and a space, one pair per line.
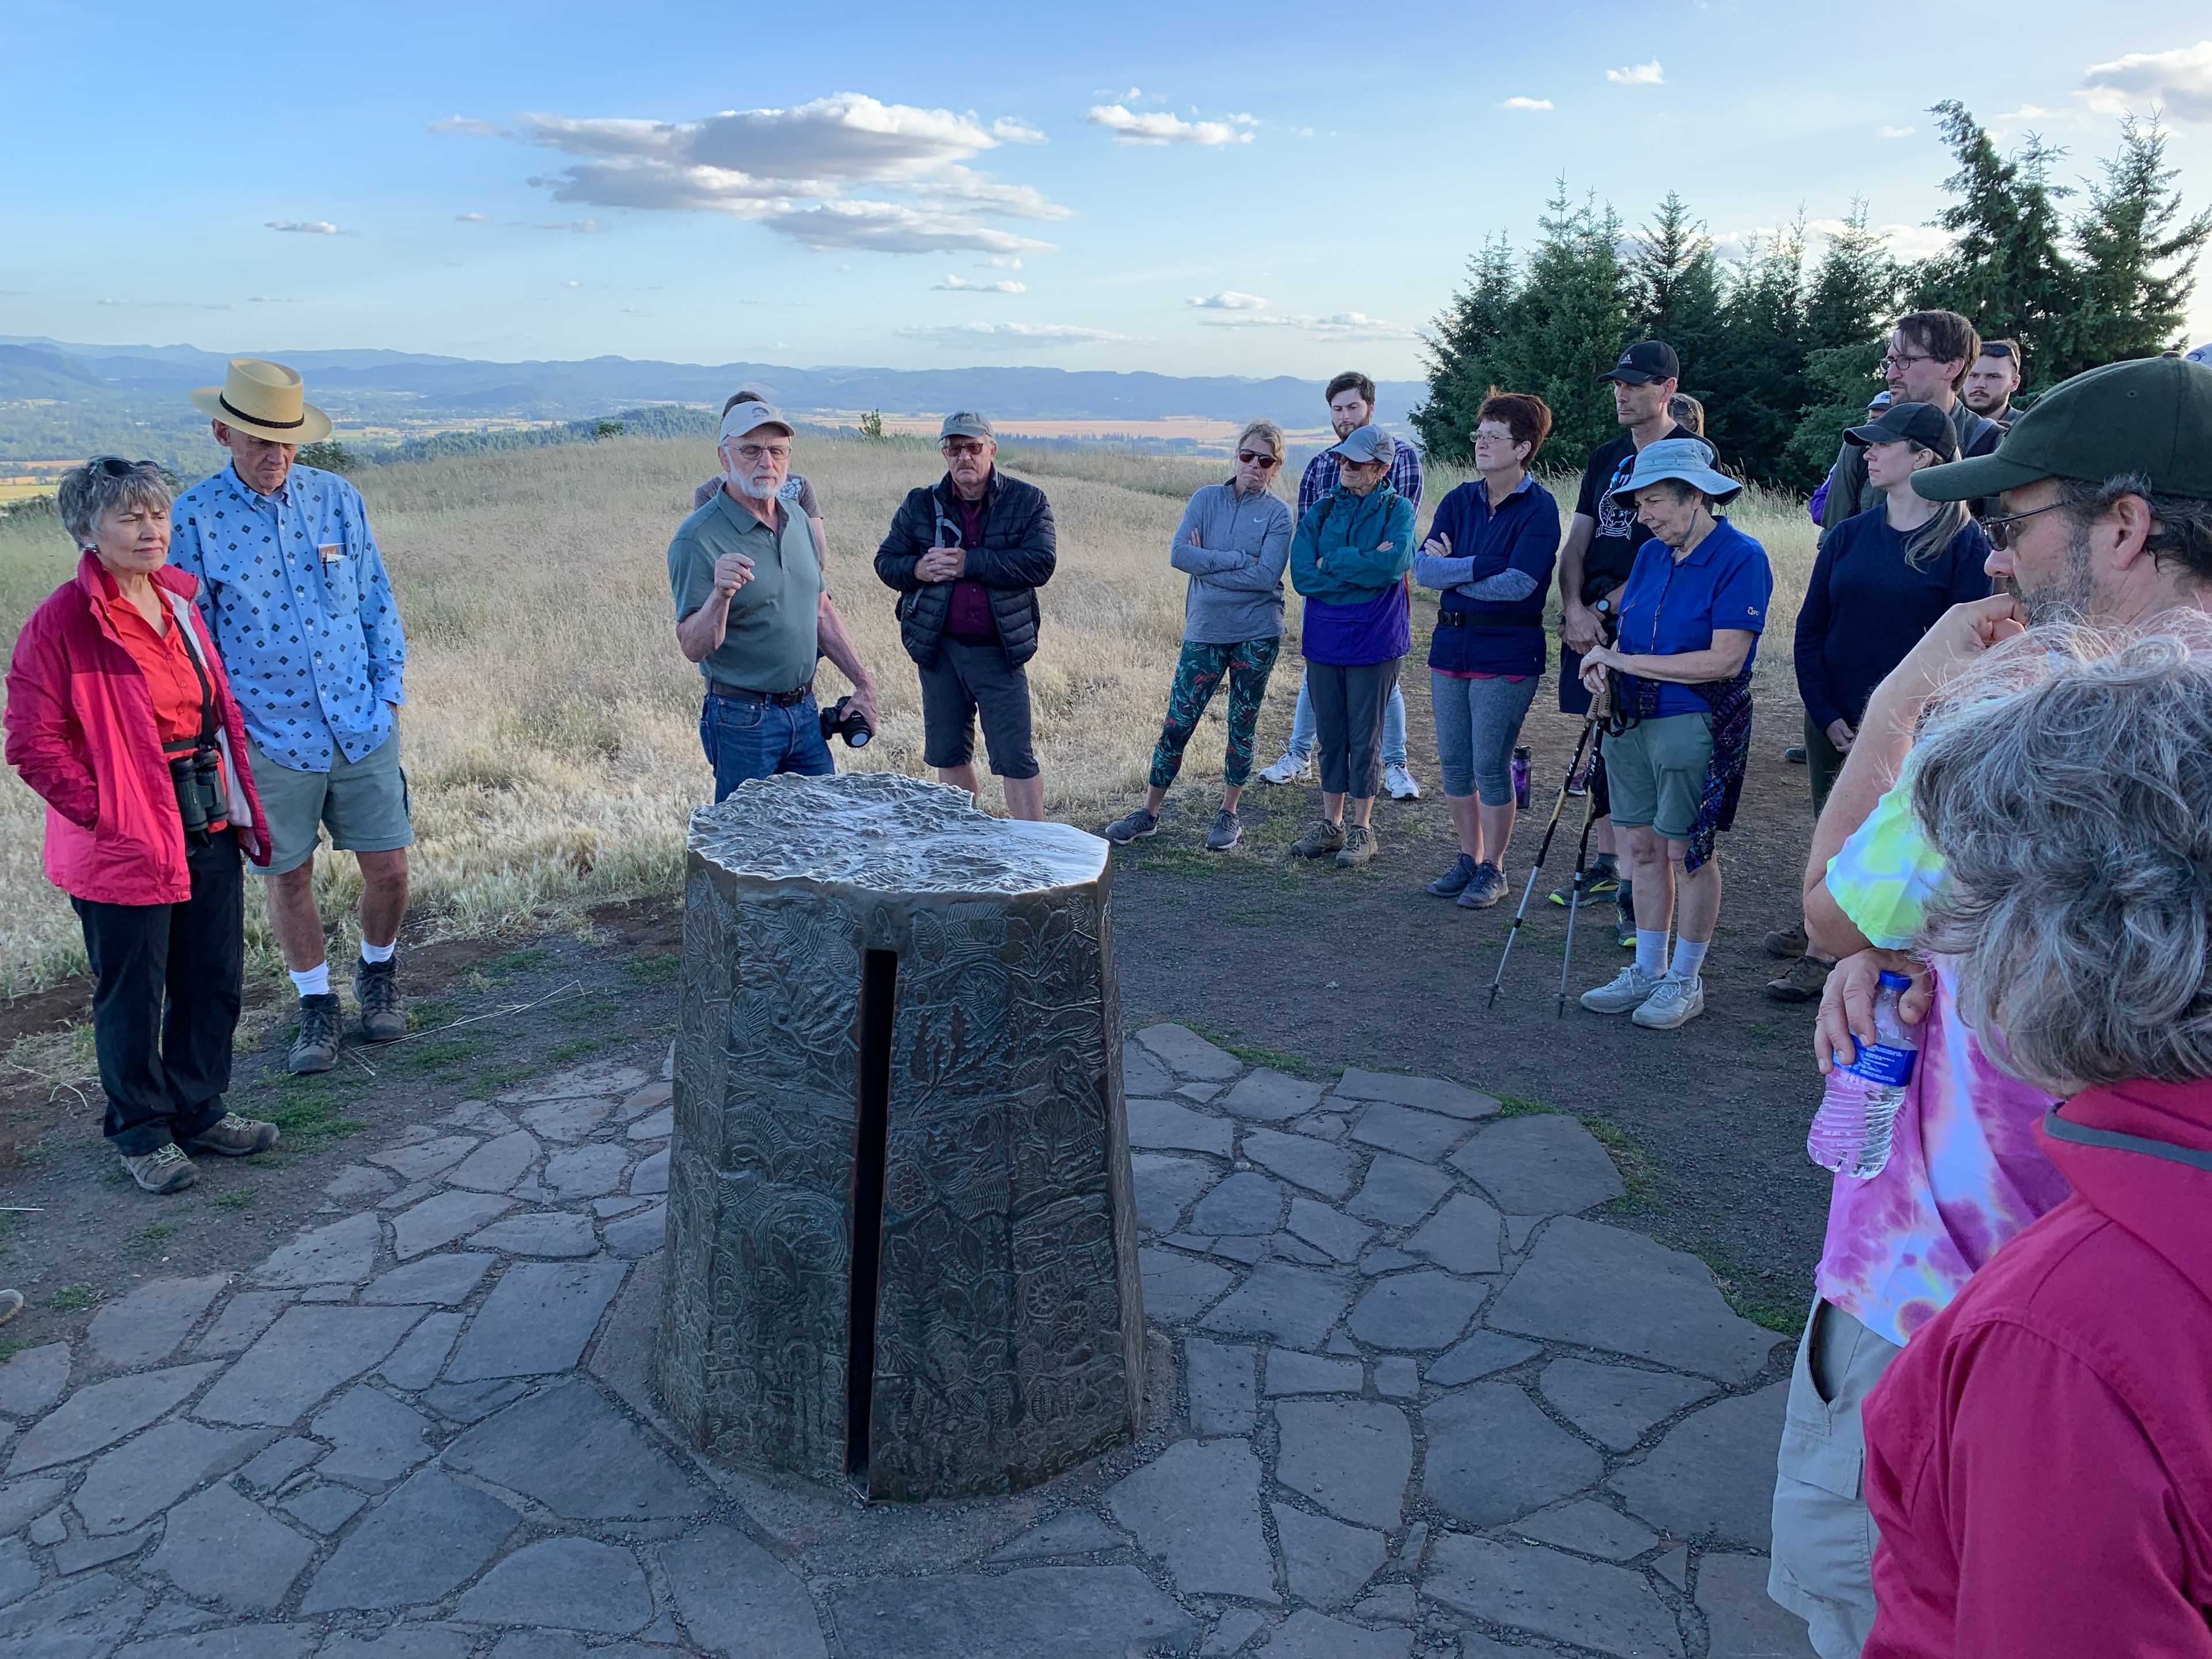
1654, 774
364, 803
970, 681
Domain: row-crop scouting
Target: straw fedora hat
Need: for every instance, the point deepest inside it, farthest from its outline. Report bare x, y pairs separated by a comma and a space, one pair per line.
266, 400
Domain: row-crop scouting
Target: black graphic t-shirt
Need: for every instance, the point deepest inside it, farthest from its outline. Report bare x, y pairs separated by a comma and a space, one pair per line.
1613, 546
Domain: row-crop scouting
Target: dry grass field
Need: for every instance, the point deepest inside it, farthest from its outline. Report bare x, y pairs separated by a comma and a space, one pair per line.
551, 728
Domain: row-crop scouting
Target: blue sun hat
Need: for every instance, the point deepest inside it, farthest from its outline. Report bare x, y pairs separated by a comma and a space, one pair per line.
1690, 459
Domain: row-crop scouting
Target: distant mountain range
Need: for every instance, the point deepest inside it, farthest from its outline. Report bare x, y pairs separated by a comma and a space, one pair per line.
58, 398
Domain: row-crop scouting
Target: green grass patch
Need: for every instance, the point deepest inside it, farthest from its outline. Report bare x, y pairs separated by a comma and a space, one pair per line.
10, 1349
154, 1233
73, 1299
1634, 1165
579, 1049
1253, 1053
427, 1013
445, 1058
310, 1111
653, 970
508, 965
238, 1198
1785, 1318
1514, 1106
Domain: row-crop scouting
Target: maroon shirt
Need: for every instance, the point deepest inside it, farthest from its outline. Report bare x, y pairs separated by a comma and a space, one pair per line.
2039, 1457
970, 617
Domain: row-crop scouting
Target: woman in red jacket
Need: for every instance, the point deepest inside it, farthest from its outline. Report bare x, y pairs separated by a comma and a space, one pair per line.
120, 716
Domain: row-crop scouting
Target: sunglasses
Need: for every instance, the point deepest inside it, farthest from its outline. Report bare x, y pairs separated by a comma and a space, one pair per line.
1260, 459
1998, 525
116, 467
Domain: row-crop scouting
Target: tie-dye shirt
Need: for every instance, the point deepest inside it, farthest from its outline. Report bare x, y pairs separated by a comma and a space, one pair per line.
1964, 1172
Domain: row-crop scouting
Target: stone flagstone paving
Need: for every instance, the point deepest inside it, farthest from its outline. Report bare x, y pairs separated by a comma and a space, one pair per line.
1406, 1400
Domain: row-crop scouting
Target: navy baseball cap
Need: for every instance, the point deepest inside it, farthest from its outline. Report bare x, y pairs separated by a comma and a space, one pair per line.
1918, 423
1644, 362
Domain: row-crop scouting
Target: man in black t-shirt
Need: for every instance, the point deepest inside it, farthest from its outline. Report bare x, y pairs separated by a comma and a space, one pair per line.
1599, 552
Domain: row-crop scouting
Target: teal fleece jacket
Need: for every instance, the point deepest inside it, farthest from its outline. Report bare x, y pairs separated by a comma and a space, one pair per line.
1337, 555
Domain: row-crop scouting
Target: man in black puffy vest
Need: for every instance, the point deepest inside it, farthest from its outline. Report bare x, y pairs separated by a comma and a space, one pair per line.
966, 556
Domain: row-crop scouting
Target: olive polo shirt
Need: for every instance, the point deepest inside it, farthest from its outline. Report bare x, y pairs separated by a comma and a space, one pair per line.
771, 642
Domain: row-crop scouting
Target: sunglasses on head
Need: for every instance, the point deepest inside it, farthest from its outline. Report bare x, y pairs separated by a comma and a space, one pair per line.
1260, 459
116, 467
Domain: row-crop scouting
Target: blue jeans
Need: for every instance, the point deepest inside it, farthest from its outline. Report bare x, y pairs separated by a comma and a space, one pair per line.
1304, 732
744, 739
1477, 723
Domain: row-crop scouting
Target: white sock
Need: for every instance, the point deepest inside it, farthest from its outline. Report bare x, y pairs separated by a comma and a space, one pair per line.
1689, 958
315, 982
1651, 950
373, 954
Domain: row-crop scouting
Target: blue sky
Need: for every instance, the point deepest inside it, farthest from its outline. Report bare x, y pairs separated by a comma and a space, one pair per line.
1282, 189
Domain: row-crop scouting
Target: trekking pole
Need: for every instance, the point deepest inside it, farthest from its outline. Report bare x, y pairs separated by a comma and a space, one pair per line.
1543, 849
1582, 865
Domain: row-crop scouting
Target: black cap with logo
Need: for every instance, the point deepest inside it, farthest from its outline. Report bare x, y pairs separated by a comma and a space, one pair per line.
1646, 362
1915, 423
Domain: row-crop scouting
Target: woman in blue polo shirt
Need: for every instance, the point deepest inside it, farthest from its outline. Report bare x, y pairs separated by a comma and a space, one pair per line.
1491, 549
1691, 616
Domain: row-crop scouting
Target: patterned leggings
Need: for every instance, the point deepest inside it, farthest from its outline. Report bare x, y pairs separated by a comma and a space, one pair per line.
1198, 675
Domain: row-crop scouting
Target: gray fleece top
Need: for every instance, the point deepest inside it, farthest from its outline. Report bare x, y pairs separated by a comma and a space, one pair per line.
1236, 568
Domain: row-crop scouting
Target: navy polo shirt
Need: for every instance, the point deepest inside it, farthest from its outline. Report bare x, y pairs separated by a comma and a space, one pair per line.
1673, 605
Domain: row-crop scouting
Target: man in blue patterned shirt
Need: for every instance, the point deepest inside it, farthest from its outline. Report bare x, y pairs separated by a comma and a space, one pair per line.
1351, 406
294, 592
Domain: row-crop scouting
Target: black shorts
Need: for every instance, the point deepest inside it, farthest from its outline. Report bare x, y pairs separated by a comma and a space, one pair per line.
970, 680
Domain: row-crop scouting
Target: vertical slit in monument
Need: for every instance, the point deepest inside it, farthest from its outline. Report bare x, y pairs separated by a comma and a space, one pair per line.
870, 1140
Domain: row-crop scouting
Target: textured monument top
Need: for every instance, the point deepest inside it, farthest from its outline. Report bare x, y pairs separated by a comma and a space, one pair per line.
885, 832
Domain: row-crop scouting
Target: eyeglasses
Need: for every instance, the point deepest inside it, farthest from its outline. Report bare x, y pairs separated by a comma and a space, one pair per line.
752, 453
1998, 525
971, 448
1893, 361
1265, 462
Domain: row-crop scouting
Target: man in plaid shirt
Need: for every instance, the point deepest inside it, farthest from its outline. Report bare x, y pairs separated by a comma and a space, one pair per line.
1351, 406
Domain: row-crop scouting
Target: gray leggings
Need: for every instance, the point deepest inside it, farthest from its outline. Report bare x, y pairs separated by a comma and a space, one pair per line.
1477, 723
1348, 707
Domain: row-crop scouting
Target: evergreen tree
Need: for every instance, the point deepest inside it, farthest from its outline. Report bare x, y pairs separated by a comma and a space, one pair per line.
1568, 322
1853, 297
2008, 271
2137, 261
1758, 377
1464, 353
1840, 380
1674, 280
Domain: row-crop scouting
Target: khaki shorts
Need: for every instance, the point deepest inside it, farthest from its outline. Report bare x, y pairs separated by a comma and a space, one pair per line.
1655, 771
1823, 1563
364, 804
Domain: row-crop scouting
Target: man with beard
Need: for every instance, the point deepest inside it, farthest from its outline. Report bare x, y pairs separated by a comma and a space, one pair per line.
752, 612
1930, 355
1994, 381
2102, 514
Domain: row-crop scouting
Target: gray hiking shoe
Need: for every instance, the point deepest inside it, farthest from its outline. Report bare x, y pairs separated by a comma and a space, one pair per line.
1228, 830
1358, 847
1454, 881
236, 1137
316, 1047
1626, 991
1484, 888
1672, 1002
1133, 826
1320, 839
165, 1170
376, 988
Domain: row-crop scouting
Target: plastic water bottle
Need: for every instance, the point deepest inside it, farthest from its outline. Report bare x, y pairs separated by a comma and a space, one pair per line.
1851, 1133
1521, 776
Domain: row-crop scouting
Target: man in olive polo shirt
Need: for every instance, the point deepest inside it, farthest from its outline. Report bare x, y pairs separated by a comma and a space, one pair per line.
752, 612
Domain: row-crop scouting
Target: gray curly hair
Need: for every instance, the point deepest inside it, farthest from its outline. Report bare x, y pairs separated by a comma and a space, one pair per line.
90, 492
2066, 780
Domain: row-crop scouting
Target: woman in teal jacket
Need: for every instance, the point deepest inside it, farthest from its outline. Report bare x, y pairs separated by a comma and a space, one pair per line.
1349, 561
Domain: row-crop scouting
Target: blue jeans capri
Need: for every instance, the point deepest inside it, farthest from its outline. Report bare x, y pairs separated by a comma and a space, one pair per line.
1477, 723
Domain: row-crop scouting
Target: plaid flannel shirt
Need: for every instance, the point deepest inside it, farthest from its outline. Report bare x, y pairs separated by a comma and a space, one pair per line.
1320, 477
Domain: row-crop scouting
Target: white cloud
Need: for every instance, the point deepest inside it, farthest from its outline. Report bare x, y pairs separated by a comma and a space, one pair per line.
1004, 261
269, 300
308, 227
584, 227
982, 194
1526, 103
1010, 335
472, 218
893, 227
2025, 112
1008, 131
2179, 81
961, 285
1897, 132
1638, 74
1159, 127
1244, 120
466, 124
1229, 300
1340, 326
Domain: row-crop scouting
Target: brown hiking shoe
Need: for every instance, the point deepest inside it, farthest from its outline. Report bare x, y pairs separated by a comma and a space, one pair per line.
236, 1137
1358, 847
164, 1169
1320, 839
376, 988
1788, 943
1806, 978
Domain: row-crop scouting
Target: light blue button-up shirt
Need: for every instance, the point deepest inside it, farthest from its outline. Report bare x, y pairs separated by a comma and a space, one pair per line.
295, 593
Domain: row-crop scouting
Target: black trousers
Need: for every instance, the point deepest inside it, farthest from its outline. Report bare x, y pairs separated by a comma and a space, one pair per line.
1348, 705
168, 982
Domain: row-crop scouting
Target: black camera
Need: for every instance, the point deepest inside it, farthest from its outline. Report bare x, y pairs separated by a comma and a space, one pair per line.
847, 722
198, 777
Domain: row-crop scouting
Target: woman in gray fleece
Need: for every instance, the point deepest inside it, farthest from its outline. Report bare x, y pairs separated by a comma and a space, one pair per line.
1233, 542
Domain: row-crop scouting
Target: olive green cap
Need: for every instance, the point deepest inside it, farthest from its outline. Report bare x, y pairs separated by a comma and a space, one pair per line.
2152, 416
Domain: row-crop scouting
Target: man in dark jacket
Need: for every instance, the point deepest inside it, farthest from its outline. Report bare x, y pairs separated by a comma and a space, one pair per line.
1929, 353
966, 556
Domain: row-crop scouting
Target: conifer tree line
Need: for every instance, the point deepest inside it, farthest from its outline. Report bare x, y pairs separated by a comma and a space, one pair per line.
1785, 351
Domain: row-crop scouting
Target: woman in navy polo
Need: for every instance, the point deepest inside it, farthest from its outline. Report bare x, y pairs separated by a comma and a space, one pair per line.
1491, 549
1691, 616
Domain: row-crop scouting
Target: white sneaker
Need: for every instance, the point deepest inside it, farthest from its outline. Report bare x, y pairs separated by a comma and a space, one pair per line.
1289, 770
1399, 783
1626, 990
1672, 1002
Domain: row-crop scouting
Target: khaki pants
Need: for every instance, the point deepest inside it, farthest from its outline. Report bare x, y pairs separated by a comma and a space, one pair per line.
1824, 1538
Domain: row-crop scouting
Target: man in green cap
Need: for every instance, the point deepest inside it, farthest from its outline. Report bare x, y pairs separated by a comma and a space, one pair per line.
2102, 513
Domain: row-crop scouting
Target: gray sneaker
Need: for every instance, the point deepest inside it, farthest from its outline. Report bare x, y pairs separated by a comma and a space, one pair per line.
236, 1137
1624, 931
1133, 826
376, 989
1485, 889
1320, 839
1289, 770
1626, 991
1358, 847
1228, 830
316, 1047
1672, 1002
165, 1170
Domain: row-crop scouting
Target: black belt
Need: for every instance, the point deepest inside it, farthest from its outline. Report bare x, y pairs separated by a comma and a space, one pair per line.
1479, 619
742, 694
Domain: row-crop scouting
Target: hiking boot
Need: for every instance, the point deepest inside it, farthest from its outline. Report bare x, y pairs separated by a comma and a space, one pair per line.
1806, 979
1487, 887
1291, 768
1599, 881
316, 1047
1795, 753
1358, 847
236, 1137
1624, 993
1787, 944
164, 1169
1398, 783
1133, 826
1228, 830
1454, 881
1672, 1002
1320, 839
1623, 931
376, 988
